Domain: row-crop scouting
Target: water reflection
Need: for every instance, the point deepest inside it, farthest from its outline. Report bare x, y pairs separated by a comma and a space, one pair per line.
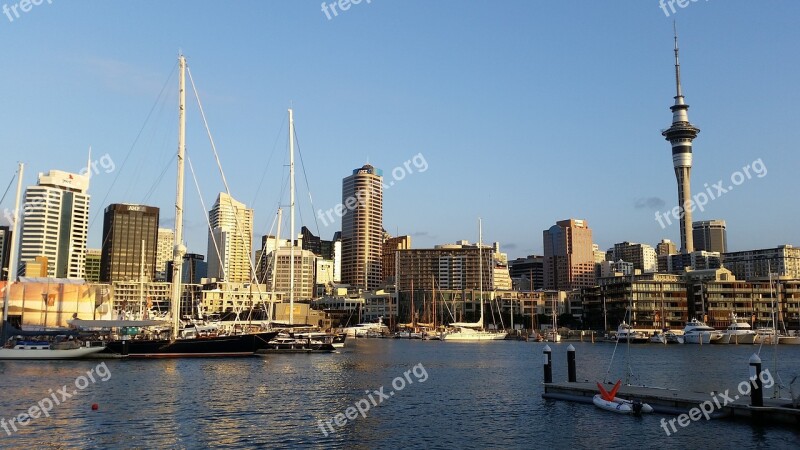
476, 396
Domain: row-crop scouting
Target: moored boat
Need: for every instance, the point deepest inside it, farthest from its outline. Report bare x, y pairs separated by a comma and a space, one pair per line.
739, 332
697, 332
622, 406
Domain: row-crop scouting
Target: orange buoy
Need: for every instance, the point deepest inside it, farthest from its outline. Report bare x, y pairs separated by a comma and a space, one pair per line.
95, 406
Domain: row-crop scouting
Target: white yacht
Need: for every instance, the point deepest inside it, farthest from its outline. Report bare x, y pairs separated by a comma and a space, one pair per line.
738, 332
697, 332
364, 329
626, 333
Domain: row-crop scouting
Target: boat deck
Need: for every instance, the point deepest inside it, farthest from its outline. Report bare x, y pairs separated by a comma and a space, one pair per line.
671, 401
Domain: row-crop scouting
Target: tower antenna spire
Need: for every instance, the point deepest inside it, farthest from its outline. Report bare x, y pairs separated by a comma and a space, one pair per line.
679, 95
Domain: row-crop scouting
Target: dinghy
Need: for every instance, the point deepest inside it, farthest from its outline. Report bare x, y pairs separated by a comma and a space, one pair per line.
608, 401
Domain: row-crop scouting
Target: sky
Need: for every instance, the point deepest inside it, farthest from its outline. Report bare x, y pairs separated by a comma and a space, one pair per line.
521, 113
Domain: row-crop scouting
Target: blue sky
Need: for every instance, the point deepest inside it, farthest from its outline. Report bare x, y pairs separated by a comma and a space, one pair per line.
526, 112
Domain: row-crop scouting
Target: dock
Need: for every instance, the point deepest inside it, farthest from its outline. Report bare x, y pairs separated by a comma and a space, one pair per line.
746, 402
675, 402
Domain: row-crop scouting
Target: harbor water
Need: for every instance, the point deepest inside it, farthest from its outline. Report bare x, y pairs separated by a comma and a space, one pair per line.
377, 393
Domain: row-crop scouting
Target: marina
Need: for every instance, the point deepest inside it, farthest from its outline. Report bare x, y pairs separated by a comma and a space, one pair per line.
277, 400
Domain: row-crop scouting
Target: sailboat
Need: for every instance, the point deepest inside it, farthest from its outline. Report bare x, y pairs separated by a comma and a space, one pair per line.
14, 342
473, 331
306, 342
180, 344
552, 335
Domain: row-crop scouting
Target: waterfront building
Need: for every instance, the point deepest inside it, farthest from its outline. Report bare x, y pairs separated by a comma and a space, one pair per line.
223, 297
55, 223
783, 261
164, 252
126, 228
230, 240
569, 261
92, 270
658, 300
680, 136
450, 266
362, 228
710, 235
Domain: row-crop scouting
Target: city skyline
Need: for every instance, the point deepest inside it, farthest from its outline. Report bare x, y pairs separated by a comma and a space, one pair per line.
468, 122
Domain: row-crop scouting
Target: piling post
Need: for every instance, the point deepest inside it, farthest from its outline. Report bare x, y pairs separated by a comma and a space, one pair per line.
757, 393
571, 364
548, 364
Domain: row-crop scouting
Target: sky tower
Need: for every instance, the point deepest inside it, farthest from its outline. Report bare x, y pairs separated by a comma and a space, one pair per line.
680, 135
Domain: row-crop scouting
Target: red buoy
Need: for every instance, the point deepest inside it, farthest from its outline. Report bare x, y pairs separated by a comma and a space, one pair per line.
95, 406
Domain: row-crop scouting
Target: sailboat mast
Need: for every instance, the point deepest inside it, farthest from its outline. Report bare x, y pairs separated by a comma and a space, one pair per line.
12, 257
179, 249
141, 283
291, 217
480, 266
273, 279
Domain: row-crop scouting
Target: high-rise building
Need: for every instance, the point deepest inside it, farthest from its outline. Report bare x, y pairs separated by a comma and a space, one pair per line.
264, 256
5, 248
680, 135
666, 247
164, 249
193, 270
362, 228
568, 256
529, 268
710, 235
642, 256
390, 247
125, 229
55, 223
305, 263
92, 270
230, 240
460, 267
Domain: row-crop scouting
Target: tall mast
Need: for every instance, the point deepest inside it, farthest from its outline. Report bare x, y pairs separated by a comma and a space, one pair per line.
291, 217
179, 249
141, 283
480, 265
275, 263
12, 257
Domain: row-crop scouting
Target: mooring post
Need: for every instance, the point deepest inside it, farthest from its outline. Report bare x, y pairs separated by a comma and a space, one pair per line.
757, 394
571, 364
548, 364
